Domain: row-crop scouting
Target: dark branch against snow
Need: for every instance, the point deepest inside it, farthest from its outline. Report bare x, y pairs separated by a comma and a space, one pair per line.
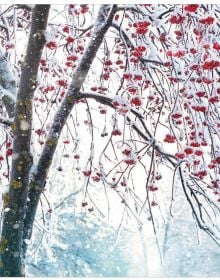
13, 220
38, 179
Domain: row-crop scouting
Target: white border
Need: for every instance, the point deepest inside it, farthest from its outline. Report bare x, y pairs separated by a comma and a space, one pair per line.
111, 278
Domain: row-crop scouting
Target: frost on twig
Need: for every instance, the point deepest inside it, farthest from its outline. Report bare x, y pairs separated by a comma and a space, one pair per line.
6, 121
7, 85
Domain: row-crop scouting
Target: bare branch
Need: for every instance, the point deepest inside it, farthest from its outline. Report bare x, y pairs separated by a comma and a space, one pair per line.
6, 121
38, 179
108, 101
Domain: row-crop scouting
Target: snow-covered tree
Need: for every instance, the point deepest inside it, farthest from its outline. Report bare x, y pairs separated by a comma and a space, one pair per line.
129, 93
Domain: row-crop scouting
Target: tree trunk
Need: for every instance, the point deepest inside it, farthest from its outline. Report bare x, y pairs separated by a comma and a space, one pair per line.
38, 178
12, 261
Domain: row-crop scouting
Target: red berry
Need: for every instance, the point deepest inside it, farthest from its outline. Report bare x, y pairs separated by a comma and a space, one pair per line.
9, 152
51, 45
127, 76
180, 155
136, 101
176, 115
200, 93
66, 29
169, 138
116, 132
72, 58
188, 151
198, 153
126, 152
153, 188
62, 83
216, 46
87, 173
194, 144
209, 20
130, 161
191, 8
69, 39
213, 99
178, 19
158, 177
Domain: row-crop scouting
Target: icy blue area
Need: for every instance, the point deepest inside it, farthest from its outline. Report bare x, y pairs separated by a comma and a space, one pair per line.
83, 246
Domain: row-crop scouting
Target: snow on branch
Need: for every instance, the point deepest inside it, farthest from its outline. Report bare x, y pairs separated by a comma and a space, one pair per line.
200, 207
7, 84
147, 137
6, 121
149, 59
22, 129
4, 92
103, 22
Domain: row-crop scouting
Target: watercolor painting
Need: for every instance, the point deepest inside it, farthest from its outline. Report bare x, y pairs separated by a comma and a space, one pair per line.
110, 140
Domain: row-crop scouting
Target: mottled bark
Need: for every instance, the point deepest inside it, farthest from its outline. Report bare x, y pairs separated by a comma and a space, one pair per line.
38, 179
15, 200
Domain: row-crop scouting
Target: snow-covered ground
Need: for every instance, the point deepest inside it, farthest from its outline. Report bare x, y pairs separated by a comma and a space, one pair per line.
82, 245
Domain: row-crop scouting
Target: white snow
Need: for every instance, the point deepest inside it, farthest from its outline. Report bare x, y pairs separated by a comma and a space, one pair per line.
24, 125
15, 156
16, 226
5, 92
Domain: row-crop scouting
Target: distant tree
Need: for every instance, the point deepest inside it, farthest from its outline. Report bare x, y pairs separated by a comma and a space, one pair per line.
153, 71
